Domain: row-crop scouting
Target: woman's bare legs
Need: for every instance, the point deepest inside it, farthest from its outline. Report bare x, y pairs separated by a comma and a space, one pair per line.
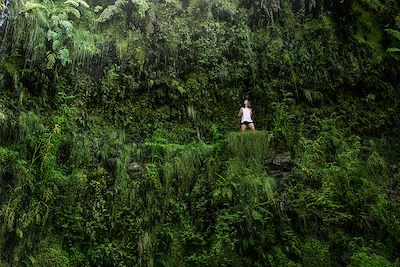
252, 127
243, 127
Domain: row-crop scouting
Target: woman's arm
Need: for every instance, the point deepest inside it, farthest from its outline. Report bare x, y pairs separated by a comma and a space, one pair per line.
240, 112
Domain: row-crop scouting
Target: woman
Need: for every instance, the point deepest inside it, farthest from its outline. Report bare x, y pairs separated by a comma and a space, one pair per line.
245, 115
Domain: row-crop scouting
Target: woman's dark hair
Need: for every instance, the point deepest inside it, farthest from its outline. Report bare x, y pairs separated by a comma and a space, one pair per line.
249, 102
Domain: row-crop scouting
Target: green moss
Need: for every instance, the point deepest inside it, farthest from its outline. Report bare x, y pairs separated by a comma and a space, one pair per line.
368, 31
315, 253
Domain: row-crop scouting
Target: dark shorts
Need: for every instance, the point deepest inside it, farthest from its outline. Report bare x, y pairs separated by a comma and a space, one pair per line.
246, 123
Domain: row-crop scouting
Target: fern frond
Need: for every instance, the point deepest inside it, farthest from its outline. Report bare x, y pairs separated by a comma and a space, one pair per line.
108, 12
143, 6
31, 7
73, 11
72, 2
393, 50
51, 60
67, 26
394, 33
373, 4
77, 3
111, 10
97, 9
149, 28
121, 3
308, 96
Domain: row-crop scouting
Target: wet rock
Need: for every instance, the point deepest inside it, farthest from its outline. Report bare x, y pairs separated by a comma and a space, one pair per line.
134, 167
111, 164
281, 159
280, 162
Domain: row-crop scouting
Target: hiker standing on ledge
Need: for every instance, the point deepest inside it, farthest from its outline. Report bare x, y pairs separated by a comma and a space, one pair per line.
245, 115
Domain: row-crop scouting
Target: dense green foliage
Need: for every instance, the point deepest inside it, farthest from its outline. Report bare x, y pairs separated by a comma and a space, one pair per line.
118, 142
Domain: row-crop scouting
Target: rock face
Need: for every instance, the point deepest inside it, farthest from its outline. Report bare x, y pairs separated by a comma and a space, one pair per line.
280, 162
134, 167
111, 164
279, 158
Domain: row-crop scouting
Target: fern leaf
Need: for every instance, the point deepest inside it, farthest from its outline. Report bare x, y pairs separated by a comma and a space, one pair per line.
83, 3
67, 26
74, 12
97, 9
149, 28
394, 33
308, 96
63, 55
72, 2
373, 4
143, 6
51, 60
111, 10
77, 3
108, 12
31, 7
121, 3
393, 50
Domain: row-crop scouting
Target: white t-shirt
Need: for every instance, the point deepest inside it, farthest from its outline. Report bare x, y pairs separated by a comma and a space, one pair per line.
246, 115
